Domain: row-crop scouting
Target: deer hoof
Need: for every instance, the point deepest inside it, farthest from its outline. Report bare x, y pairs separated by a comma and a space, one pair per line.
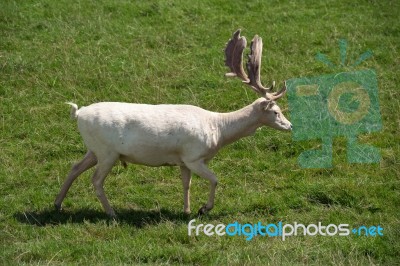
57, 207
203, 210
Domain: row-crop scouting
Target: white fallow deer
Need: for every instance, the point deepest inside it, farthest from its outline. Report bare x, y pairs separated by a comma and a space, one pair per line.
181, 135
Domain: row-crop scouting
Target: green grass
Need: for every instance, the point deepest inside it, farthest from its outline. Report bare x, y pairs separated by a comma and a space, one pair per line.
171, 52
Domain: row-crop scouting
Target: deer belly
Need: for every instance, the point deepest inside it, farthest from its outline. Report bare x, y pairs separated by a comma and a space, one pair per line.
152, 157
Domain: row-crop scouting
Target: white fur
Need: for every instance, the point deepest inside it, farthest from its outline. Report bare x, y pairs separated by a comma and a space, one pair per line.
156, 135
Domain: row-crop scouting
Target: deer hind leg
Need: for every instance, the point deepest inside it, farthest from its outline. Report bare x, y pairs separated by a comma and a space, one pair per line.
201, 169
87, 162
103, 168
186, 180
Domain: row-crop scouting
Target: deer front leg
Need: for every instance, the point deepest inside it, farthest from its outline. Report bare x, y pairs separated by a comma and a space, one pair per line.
201, 169
186, 180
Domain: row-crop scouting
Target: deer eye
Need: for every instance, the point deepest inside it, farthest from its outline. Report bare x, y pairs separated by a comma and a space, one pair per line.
276, 112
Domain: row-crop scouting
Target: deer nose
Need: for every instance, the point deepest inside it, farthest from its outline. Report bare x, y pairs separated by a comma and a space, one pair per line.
291, 127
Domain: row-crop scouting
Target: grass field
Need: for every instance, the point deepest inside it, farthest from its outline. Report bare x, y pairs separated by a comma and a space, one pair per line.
171, 52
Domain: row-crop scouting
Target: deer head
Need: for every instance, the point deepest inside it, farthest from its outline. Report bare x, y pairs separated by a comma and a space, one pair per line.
234, 60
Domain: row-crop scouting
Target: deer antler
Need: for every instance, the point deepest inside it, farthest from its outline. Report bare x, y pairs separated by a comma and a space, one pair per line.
234, 56
234, 60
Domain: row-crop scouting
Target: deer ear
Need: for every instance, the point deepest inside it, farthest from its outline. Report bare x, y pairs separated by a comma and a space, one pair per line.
265, 105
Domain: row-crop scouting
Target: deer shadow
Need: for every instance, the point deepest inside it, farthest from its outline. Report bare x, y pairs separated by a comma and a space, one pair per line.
134, 217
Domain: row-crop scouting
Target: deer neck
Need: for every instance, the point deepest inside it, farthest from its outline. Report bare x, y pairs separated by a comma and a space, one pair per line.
238, 124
